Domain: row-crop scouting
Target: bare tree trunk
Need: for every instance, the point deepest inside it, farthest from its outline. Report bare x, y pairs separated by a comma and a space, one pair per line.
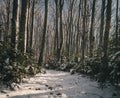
78, 29
23, 25
17, 26
14, 29
44, 33
26, 27
91, 36
32, 23
70, 23
61, 2
116, 30
8, 20
83, 34
101, 27
56, 41
106, 34
0, 32
13, 26
71, 27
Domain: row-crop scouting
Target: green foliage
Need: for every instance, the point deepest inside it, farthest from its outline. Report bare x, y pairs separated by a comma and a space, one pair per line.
114, 64
51, 62
4, 51
13, 71
114, 60
94, 65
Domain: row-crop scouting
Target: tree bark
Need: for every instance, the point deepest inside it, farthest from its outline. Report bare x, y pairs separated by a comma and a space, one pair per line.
8, 20
44, 33
13, 25
32, 23
107, 31
78, 29
56, 45
116, 30
91, 36
101, 27
70, 24
61, 2
15, 29
22, 26
83, 34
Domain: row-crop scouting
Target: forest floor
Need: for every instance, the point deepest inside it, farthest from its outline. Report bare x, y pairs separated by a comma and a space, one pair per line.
58, 84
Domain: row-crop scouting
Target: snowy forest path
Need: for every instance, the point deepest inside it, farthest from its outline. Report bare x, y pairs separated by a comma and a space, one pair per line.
58, 84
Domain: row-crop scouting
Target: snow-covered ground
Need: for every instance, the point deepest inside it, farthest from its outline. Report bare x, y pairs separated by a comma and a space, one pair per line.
57, 84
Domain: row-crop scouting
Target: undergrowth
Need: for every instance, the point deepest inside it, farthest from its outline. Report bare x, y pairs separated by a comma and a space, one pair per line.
14, 71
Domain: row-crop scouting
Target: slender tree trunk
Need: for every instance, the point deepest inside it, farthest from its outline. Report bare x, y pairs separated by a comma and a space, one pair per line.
44, 33
13, 26
8, 20
23, 25
116, 30
70, 23
61, 2
91, 37
17, 25
78, 29
0, 32
83, 34
71, 27
56, 47
101, 27
26, 27
32, 23
13, 29
106, 34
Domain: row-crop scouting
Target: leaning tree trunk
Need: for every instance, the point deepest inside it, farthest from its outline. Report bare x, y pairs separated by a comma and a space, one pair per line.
44, 33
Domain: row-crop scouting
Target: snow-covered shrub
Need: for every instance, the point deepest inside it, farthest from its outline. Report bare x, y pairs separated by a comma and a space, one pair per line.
114, 64
51, 63
13, 71
94, 64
